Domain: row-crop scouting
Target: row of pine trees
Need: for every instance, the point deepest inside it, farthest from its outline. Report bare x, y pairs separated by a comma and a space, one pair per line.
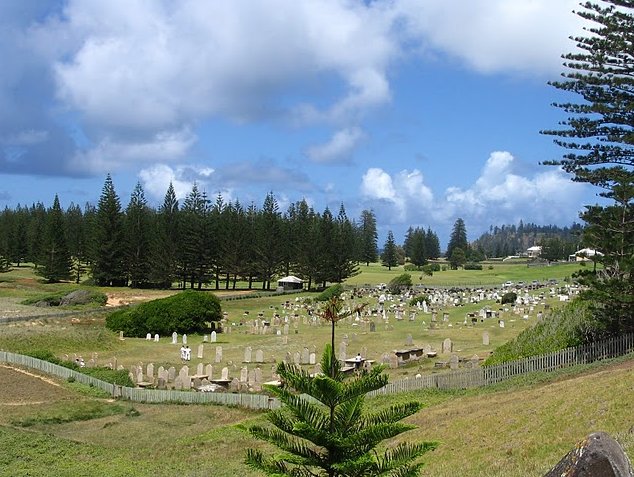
197, 243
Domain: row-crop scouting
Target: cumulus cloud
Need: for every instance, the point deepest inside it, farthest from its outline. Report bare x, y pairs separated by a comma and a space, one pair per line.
498, 196
129, 72
156, 179
338, 149
496, 35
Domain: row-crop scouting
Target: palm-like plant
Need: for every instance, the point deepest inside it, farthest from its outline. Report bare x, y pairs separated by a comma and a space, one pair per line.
323, 430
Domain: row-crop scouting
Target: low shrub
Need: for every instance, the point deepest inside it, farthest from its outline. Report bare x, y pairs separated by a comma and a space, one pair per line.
400, 283
186, 312
410, 267
418, 299
472, 266
328, 293
509, 297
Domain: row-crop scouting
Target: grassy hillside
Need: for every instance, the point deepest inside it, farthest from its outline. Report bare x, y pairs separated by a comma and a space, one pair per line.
520, 428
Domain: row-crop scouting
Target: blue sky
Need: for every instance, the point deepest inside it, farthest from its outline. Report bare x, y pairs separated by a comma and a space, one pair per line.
421, 110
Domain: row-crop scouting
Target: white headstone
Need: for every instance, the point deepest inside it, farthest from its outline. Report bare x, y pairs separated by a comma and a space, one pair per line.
201, 351
174, 338
247, 354
259, 356
224, 375
214, 337
184, 339
485, 338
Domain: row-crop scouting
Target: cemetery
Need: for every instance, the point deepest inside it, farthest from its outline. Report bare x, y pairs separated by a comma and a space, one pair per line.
423, 336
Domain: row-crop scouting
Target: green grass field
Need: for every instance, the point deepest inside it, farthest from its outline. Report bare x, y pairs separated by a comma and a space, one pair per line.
518, 428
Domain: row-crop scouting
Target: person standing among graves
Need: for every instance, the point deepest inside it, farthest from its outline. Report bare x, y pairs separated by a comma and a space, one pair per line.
188, 353
183, 352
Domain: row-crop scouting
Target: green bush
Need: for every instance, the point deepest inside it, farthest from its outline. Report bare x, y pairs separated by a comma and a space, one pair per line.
418, 298
400, 283
564, 327
410, 267
328, 293
472, 266
509, 297
187, 312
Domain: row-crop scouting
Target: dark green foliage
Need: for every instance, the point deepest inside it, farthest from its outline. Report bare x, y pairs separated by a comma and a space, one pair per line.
331, 291
458, 238
54, 261
598, 137
457, 258
368, 237
138, 228
388, 257
400, 283
564, 327
329, 433
185, 312
418, 299
108, 244
508, 297
5, 266
472, 266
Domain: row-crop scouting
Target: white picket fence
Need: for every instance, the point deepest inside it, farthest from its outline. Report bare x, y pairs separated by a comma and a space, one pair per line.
459, 379
252, 401
487, 375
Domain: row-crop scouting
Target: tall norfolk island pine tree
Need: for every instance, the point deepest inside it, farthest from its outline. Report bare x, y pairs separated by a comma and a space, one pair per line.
598, 136
329, 434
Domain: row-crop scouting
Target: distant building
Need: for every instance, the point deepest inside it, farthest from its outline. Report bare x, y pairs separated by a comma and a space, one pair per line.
534, 251
290, 283
584, 255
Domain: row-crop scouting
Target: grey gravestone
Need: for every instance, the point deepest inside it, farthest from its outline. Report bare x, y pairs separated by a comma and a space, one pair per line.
178, 383
393, 361
218, 354
171, 374
199, 369
224, 375
247, 354
305, 356
372, 327
485, 338
297, 358
201, 351
161, 384
209, 371
259, 356
234, 385
244, 374
409, 341
150, 371
121, 335
447, 346
453, 361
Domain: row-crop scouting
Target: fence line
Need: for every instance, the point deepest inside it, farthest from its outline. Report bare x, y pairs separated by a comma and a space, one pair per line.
461, 379
252, 401
488, 375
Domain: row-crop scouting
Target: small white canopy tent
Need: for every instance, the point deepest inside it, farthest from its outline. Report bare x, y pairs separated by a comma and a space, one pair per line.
290, 283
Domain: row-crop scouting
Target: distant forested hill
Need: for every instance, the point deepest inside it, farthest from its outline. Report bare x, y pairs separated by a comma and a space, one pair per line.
515, 239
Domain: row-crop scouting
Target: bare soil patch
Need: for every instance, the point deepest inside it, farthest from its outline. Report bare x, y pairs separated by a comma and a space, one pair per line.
19, 387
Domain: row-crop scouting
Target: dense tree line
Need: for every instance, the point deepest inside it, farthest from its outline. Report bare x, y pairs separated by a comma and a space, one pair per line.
515, 239
197, 243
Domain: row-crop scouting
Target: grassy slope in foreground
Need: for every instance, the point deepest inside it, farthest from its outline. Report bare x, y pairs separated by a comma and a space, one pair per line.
516, 429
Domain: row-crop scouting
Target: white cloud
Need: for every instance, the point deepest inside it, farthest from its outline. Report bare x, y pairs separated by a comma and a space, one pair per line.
110, 154
339, 148
157, 178
495, 35
25, 138
499, 196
